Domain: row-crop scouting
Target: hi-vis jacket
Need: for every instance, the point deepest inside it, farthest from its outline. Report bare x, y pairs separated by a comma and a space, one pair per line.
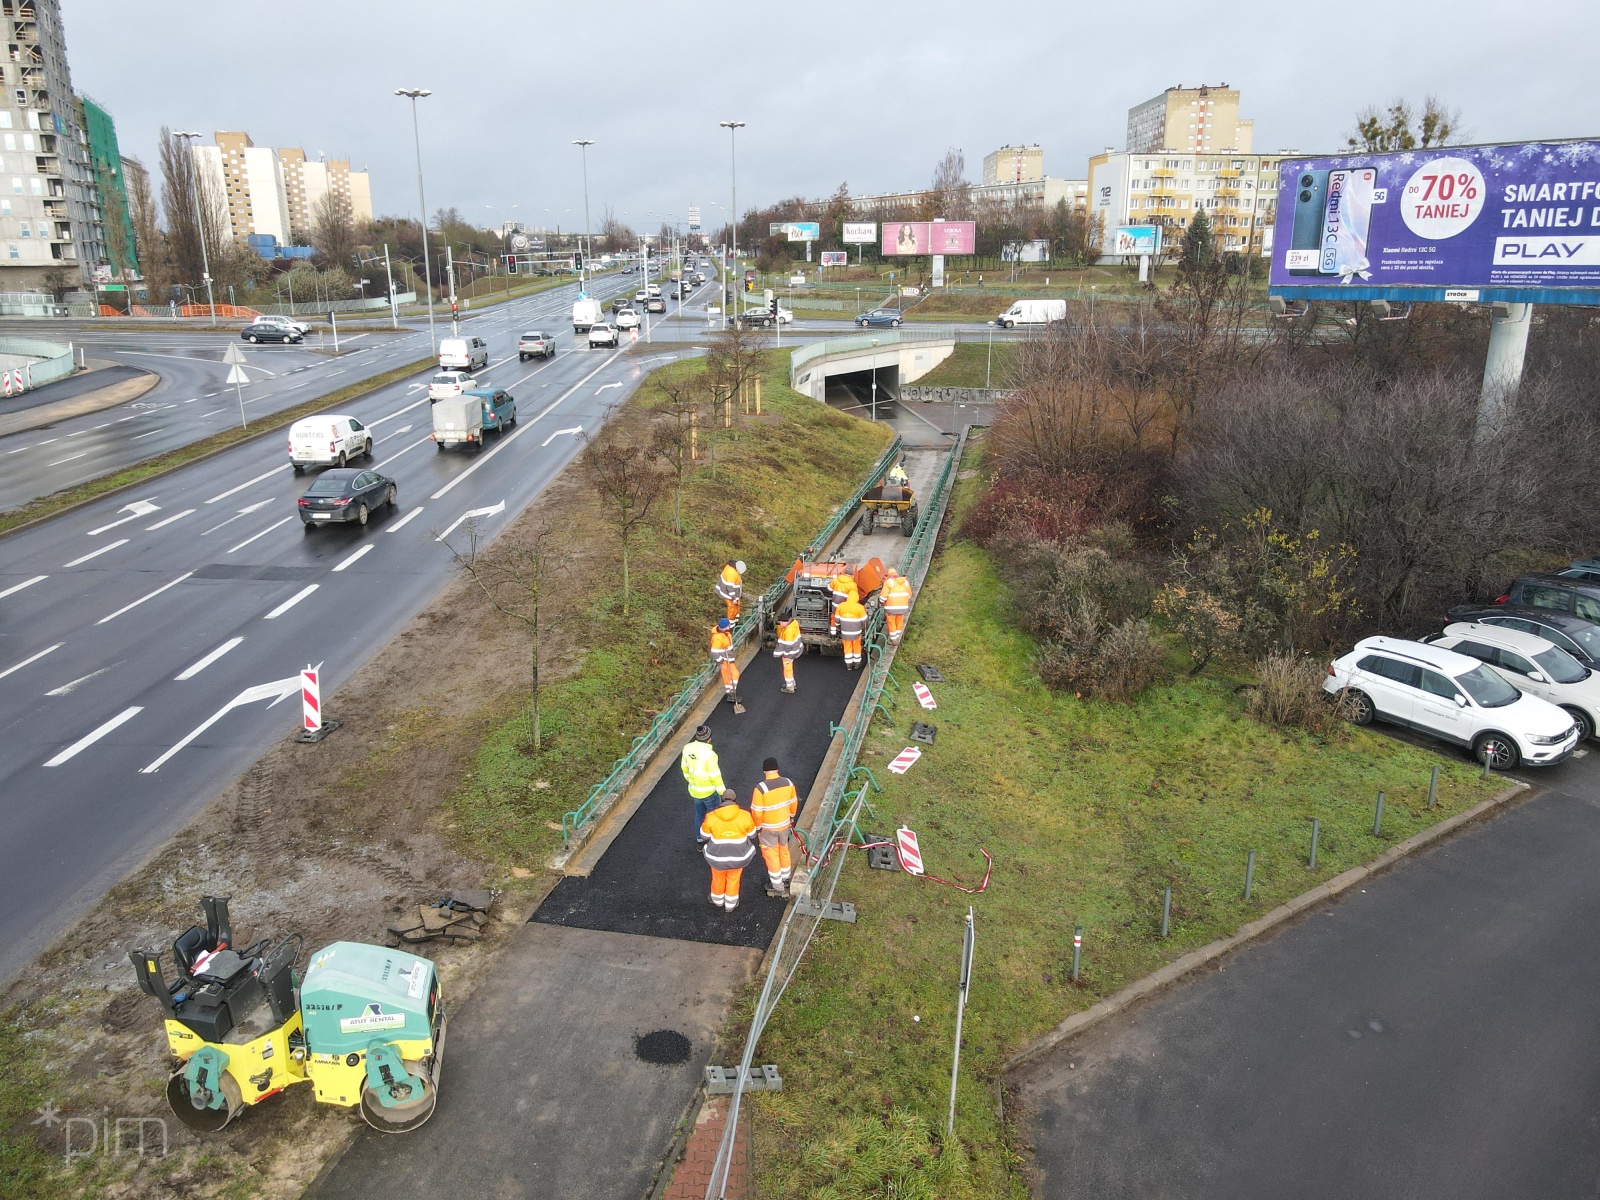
701, 770
721, 646
852, 620
896, 593
731, 830
774, 802
729, 585
844, 588
788, 634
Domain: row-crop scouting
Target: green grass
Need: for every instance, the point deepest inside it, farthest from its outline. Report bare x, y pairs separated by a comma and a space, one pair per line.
1090, 810
776, 481
45, 506
970, 366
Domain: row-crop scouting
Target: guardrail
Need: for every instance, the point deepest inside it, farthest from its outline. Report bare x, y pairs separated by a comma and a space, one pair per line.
661, 727
55, 361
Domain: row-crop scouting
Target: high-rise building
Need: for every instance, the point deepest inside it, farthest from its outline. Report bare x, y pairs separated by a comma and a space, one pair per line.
1194, 119
307, 181
246, 181
48, 223
1238, 191
110, 195
1014, 164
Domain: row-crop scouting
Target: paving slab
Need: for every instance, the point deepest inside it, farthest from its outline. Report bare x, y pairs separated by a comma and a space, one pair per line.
544, 1093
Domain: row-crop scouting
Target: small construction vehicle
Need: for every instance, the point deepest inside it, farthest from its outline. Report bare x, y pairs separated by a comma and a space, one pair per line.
812, 598
887, 505
366, 1026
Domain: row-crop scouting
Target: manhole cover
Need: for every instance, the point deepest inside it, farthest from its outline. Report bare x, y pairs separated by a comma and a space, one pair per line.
664, 1047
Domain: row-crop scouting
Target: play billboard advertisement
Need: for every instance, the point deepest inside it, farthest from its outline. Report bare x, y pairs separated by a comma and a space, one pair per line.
1516, 222
929, 237
860, 233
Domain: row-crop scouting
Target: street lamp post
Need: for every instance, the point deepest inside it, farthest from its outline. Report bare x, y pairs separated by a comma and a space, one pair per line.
415, 94
583, 145
874, 379
733, 213
205, 258
503, 222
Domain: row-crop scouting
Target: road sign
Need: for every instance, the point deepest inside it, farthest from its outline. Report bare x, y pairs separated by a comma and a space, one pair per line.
902, 761
905, 841
234, 355
633, 335
236, 375
311, 699
924, 696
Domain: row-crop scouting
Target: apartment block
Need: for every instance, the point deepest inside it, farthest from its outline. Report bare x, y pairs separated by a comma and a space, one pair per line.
307, 181
1194, 119
1239, 193
246, 182
1014, 164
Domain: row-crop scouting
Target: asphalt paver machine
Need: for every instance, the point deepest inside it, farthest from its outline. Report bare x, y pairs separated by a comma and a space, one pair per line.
364, 1027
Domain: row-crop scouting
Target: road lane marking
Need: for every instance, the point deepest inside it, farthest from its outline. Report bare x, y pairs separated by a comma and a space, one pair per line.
205, 662
139, 508
66, 689
174, 517
291, 602
262, 534
94, 553
273, 691
68, 458
402, 412
468, 515
248, 483
243, 512
152, 433
404, 449
401, 523
395, 434
559, 433
142, 599
28, 661
367, 549
25, 583
91, 738
18, 450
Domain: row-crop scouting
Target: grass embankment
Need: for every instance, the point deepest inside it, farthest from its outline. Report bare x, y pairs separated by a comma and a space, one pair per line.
1090, 809
970, 366
47, 506
776, 479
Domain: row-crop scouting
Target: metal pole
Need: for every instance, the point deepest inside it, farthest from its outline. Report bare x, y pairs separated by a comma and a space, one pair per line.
965, 983
1433, 785
1077, 949
1377, 817
1316, 828
450, 277
239, 388
394, 307
1249, 874
414, 94
1502, 367
583, 145
733, 212
1166, 912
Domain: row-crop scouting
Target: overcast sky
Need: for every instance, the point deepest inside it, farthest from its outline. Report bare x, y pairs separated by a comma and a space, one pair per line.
866, 92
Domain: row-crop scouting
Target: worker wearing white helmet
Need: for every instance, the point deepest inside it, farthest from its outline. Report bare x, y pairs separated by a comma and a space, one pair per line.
730, 587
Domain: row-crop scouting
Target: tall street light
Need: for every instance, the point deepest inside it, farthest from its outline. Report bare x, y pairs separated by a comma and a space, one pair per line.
583, 145
415, 94
200, 222
504, 240
733, 213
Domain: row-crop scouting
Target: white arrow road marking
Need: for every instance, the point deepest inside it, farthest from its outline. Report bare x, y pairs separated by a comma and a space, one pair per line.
243, 512
90, 739
139, 508
395, 434
262, 534
66, 689
205, 662
291, 602
95, 553
604, 386
266, 691
367, 549
400, 524
558, 433
25, 583
142, 599
169, 520
25, 662
468, 515
248, 482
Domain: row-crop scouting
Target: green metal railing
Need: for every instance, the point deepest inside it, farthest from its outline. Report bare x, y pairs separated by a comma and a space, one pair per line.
668, 719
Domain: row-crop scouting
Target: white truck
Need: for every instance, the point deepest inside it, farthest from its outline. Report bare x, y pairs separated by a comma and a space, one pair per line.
458, 421
584, 314
1032, 312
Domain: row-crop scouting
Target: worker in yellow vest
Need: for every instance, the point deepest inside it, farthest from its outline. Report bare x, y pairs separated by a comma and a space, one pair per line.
728, 834
730, 587
897, 475
789, 647
852, 619
722, 654
773, 805
843, 587
703, 773
896, 593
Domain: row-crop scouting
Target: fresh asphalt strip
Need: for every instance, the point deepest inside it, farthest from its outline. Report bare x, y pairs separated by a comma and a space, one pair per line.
652, 880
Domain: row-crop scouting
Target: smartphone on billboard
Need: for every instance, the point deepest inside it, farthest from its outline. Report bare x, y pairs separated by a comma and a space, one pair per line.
1348, 222
1303, 256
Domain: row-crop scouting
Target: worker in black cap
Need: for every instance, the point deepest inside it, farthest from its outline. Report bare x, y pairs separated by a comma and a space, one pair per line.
703, 773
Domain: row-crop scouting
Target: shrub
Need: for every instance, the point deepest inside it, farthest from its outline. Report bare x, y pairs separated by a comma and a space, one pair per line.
1090, 657
1288, 693
1129, 658
1204, 623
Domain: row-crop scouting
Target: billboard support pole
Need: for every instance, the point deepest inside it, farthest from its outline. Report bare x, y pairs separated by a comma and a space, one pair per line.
1144, 268
1502, 367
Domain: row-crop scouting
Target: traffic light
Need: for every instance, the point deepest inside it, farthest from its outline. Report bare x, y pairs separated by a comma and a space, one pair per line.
772, 302
511, 264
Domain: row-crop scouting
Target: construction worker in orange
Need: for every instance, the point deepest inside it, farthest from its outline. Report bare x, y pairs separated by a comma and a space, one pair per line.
729, 845
722, 654
789, 646
852, 618
730, 587
773, 805
896, 593
843, 587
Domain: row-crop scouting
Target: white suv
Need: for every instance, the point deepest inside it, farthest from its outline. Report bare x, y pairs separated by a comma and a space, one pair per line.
602, 335
1530, 664
1450, 696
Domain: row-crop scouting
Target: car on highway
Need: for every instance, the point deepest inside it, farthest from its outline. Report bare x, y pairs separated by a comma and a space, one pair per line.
1531, 664
499, 407
627, 319
463, 353
446, 384
1577, 637
888, 318
345, 494
641, 296
1450, 696
327, 440
533, 342
294, 323
620, 303
258, 332
602, 335
655, 304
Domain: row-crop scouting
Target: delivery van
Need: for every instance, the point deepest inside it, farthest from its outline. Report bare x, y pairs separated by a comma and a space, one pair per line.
584, 314
467, 354
327, 440
1032, 312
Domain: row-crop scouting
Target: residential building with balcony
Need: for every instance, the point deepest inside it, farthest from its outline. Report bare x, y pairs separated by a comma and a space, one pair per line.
307, 181
246, 182
1238, 191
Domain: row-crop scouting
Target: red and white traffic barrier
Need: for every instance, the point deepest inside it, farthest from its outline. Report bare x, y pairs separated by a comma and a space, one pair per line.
311, 699
924, 696
905, 842
902, 761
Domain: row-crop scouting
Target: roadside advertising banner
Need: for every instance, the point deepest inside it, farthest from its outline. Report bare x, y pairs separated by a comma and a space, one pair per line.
929, 237
1136, 239
860, 232
795, 231
836, 258
1516, 222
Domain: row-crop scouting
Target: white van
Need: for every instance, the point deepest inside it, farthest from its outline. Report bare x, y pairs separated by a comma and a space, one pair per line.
1032, 312
585, 313
328, 440
467, 354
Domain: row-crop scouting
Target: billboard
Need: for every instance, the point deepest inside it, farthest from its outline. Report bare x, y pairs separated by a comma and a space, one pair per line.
795, 231
1035, 251
860, 232
1518, 222
1136, 239
694, 217
836, 258
929, 237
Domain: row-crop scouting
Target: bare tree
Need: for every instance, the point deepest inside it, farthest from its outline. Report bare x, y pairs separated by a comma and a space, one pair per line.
732, 362
628, 480
513, 578
951, 196
331, 230
1399, 128
192, 203
688, 404
149, 243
